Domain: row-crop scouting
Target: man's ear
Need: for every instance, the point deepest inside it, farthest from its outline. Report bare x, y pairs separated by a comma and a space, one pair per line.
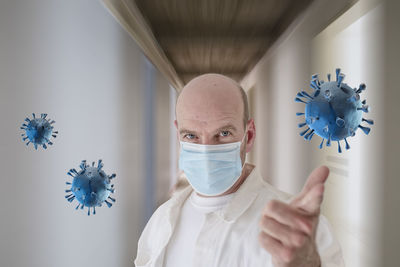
251, 135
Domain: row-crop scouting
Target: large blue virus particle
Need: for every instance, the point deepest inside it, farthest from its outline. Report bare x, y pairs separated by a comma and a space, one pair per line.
38, 131
334, 111
90, 186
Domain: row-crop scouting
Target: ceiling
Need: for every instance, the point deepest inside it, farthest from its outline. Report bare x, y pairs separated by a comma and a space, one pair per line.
220, 36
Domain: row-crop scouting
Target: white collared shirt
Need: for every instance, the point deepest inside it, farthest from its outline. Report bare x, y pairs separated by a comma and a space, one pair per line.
190, 223
228, 236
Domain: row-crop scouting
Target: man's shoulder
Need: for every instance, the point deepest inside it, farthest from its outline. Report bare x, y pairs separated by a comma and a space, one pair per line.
159, 217
163, 211
268, 191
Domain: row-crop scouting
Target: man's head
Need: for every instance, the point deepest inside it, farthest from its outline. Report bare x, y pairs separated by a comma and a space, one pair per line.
212, 109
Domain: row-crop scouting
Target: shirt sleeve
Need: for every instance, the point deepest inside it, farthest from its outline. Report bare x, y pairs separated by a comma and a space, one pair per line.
327, 245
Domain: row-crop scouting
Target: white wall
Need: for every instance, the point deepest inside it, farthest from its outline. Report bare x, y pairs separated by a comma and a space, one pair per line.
72, 60
354, 192
361, 197
281, 154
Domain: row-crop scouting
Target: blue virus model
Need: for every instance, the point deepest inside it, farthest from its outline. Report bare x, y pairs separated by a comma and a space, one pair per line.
90, 186
38, 131
334, 111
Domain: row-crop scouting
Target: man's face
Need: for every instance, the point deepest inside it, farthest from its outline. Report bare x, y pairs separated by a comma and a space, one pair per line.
210, 111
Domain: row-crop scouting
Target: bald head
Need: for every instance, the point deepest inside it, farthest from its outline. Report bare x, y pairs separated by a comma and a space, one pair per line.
211, 95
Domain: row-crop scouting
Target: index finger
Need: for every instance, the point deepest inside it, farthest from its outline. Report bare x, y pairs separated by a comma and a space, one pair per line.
317, 176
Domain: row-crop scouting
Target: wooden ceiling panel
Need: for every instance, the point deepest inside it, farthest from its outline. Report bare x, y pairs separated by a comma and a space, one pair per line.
186, 77
223, 36
214, 54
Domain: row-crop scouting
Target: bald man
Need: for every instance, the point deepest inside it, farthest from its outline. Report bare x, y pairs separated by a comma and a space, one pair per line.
229, 216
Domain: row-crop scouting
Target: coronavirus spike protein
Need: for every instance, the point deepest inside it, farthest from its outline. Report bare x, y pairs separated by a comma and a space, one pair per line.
333, 111
90, 186
38, 131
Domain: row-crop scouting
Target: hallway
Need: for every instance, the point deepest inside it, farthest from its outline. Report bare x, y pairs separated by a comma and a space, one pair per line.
109, 73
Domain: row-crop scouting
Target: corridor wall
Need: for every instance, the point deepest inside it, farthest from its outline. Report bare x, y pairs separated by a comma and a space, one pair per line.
72, 60
360, 197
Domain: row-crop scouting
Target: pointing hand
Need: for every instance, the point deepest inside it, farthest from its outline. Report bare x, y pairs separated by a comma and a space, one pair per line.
288, 230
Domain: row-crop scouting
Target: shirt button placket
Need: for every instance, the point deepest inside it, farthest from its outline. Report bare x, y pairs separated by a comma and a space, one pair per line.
206, 244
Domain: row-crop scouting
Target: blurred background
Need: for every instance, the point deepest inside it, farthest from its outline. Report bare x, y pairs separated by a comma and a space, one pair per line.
109, 71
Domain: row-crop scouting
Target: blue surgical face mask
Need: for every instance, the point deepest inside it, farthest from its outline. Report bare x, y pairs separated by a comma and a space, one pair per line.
211, 169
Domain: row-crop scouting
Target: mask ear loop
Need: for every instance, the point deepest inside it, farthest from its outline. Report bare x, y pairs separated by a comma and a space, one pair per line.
244, 136
241, 142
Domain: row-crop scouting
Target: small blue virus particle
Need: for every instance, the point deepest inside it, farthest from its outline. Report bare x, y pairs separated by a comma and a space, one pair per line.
90, 186
38, 131
334, 111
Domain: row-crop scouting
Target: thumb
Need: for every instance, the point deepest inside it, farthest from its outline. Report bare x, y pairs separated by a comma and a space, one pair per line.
311, 196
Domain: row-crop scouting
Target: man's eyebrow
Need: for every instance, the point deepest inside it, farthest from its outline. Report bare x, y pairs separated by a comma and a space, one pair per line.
227, 127
183, 130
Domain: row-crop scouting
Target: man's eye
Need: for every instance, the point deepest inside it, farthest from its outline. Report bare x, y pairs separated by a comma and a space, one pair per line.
189, 136
224, 133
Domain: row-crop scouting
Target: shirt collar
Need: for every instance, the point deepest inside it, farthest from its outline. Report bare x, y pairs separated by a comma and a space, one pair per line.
243, 197
175, 204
